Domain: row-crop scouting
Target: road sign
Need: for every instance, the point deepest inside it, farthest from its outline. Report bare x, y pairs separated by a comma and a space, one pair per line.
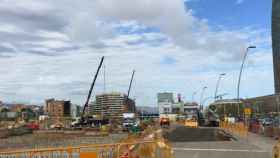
247, 111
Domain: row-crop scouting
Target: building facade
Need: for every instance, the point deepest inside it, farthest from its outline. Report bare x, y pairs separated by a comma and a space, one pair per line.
165, 97
276, 43
112, 105
165, 107
58, 108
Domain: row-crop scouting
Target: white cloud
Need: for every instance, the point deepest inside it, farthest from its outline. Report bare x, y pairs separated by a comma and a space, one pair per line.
86, 30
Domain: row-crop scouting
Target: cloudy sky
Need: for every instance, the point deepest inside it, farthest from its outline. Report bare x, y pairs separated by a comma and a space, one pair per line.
52, 48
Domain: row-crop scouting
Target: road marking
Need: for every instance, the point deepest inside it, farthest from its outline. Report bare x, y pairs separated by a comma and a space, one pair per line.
219, 150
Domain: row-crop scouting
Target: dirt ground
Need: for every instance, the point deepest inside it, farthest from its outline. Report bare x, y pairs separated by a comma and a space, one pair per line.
40, 140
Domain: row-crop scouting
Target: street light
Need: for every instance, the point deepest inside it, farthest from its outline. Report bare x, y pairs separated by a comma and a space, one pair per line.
240, 73
201, 96
218, 83
241, 69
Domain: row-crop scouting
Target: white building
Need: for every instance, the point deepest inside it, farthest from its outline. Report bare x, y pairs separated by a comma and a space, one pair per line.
165, 107
74, 110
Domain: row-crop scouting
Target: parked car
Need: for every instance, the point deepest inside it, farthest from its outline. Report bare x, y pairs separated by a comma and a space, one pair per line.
267, 121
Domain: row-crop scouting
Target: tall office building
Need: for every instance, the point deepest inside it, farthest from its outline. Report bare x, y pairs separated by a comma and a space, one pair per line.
276, 43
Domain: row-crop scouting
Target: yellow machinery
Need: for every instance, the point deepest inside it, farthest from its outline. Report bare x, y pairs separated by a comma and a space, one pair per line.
191, 123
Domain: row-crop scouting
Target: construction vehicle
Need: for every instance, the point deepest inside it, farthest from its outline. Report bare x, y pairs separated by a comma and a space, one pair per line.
212, 118
89, 121
192, 122
57, 126
164, 122
129, 121
33, 126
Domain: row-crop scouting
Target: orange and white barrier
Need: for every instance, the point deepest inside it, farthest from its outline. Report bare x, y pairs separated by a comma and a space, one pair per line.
236, 128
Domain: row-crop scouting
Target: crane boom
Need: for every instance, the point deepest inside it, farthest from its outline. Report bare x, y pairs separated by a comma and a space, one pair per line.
128, 92
91, 87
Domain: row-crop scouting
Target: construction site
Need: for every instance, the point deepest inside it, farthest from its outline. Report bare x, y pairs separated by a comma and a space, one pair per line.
110, 127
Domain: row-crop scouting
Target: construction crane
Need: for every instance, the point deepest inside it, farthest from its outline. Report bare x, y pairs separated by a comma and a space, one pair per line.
130, 84
129, 119
86, 121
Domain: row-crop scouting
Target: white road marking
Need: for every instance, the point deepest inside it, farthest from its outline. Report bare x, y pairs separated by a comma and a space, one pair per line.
219, 150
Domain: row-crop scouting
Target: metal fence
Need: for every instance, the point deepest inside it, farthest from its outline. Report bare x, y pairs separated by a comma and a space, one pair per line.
145, 149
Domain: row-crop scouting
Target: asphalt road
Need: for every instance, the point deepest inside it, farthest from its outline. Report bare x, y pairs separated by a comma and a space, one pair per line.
253, 147
231, 149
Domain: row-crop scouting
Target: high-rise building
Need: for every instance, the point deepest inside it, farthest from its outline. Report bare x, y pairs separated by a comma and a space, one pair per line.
112, 105
165, 97
276, 43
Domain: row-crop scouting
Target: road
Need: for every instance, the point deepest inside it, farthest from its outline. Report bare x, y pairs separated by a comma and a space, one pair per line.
252, 147
218, 150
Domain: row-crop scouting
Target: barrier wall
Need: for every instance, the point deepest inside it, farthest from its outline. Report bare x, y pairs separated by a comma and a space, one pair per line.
145, 149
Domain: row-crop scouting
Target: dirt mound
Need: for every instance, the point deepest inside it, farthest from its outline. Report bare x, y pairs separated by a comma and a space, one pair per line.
184, 134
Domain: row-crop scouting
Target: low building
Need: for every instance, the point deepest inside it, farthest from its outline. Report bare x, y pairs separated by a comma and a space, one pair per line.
58, 108
177, 108
17, 107
7, 115
165, 107
263, 104
190, 108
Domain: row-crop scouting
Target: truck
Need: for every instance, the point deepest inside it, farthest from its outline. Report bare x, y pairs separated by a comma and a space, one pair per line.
164, 122
129, 121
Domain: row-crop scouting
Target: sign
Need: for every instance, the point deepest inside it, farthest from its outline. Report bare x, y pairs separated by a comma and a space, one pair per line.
88, 154
247, 111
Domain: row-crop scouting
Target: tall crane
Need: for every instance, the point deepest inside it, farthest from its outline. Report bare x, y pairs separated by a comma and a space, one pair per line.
90, 91
131, 80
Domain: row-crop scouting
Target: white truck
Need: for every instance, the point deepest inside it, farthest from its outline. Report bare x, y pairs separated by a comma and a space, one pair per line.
129, 120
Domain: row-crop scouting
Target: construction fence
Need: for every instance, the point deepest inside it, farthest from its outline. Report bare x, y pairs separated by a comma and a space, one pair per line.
238, 128
145, 149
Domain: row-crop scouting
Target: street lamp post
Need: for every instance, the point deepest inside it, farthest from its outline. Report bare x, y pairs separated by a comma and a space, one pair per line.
240, 74
201, 96
218, 83
241, 69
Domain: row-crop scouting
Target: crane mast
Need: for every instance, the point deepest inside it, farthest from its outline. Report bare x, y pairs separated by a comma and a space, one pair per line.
91, 88
131, 80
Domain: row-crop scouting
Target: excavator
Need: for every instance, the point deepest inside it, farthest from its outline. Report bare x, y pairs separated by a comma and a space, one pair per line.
212, 116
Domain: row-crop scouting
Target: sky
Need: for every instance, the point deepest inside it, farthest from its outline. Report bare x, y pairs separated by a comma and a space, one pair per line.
51, 49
